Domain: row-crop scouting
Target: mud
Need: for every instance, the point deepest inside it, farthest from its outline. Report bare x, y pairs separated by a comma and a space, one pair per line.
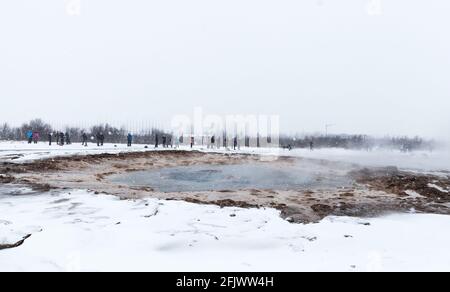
374, 192
391, 180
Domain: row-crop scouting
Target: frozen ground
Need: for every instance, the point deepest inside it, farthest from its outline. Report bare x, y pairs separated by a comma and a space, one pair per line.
22, 151
79, 231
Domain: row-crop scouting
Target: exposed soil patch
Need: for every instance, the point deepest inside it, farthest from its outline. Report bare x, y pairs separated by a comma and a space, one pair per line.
6, 179
391, 180
223, 203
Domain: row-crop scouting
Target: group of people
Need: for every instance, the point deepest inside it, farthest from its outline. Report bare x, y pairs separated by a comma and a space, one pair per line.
167, 141
60, 138
33, 137
213, 142
100, 139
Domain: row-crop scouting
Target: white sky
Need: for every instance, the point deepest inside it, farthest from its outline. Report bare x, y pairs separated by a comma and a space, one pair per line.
312, 62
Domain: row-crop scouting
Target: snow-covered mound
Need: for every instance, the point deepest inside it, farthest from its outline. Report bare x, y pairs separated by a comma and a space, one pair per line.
80, 231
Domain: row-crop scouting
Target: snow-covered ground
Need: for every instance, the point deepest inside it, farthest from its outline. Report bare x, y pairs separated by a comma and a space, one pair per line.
424, 161
22, 151
80, 231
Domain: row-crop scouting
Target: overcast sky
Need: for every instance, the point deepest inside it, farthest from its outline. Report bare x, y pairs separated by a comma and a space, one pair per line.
353, 63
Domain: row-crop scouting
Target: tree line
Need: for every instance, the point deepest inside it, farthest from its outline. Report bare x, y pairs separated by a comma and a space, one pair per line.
119, 135
112, 134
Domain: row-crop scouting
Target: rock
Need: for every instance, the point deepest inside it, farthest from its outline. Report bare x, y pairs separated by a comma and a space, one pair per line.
14, 245
322, 209
290, 219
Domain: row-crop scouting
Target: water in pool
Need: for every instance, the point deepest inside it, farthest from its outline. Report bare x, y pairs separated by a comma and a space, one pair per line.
229, 177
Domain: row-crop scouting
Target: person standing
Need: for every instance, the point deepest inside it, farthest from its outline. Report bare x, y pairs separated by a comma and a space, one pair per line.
156, 141
164, 141
57, 137
61, 139
100, 139
36, 137
68, 142
29, 135
311, 145
235, 143
129, 139
85, 138
192, 141
49, 139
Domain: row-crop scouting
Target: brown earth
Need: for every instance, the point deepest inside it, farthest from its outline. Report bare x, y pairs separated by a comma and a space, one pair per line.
374, 192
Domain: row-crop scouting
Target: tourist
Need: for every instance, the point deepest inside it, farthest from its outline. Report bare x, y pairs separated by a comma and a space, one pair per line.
30, 136
129, 139
36, 137
61, 139
85, 138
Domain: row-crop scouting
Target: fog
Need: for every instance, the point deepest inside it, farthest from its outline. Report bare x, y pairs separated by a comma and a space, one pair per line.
365, 66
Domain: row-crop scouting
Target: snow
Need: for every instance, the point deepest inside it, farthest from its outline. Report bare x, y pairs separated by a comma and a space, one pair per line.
80, 231
437, 188
414, 194
8, 235
23, 152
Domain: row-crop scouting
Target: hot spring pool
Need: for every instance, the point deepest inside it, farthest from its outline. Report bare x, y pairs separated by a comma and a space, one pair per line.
231, 177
